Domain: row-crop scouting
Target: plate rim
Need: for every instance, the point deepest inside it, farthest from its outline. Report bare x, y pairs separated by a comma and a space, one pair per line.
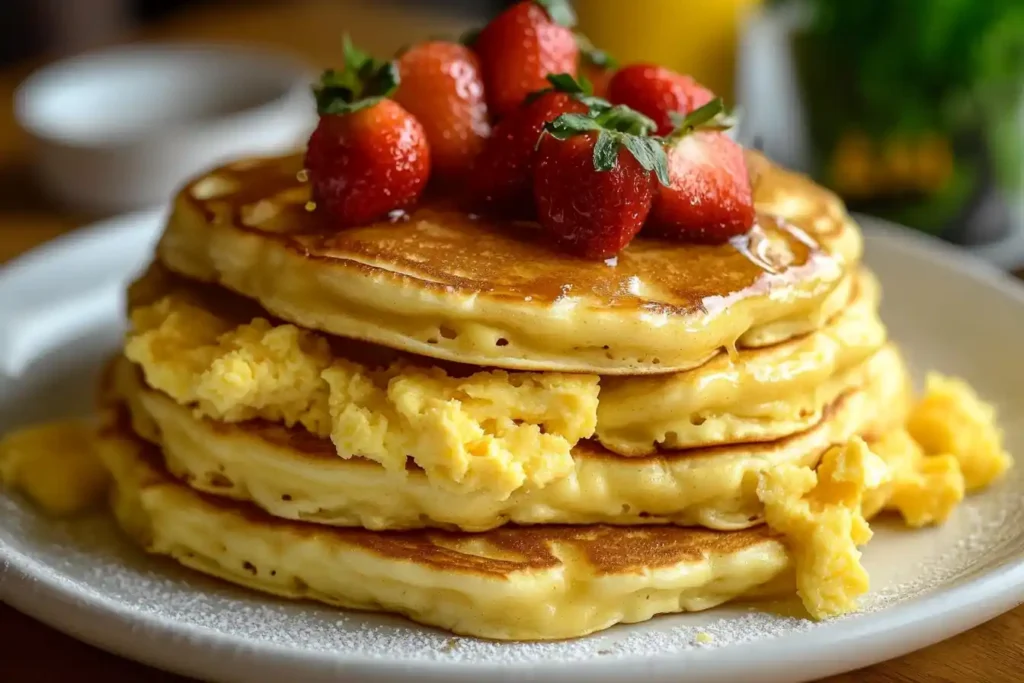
834, 648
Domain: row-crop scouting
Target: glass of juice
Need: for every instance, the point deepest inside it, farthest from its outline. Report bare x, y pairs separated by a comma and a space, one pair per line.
696, 37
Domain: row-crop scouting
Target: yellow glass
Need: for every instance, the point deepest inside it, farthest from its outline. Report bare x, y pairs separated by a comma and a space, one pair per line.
697, 37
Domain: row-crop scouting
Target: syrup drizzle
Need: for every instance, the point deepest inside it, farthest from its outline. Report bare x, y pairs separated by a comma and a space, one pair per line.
439, 245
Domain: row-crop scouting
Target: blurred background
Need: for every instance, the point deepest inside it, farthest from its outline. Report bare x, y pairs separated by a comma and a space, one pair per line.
910, 109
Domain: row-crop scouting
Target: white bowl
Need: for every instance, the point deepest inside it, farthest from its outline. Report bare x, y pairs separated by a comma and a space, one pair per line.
123, 128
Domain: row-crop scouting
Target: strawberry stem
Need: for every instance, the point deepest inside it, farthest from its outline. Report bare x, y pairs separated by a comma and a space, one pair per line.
711, 116
567, 84
363, 82
579, 88
560, 11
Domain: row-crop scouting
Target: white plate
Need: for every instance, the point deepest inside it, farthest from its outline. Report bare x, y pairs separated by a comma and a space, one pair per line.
60, 316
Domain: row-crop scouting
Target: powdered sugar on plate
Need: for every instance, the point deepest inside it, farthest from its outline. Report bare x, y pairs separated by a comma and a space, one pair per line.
91, 557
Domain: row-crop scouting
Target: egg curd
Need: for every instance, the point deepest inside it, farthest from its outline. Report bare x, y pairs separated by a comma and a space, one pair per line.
293, 474
819, 513
489, 430
536, 582
951, 419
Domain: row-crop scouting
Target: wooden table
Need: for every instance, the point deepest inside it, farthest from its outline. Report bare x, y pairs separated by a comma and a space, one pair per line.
33, 653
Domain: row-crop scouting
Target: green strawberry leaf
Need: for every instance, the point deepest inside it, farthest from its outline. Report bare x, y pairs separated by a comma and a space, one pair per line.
567, 84
649, 154
560, 11
711, 116
701, 115
383, 81
568, 125
622, 119
362, 83
617, 126
606, 151
580, 88
337, 106
355, 58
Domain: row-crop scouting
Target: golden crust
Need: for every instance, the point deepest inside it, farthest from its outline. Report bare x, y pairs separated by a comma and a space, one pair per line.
447, 285
513, 583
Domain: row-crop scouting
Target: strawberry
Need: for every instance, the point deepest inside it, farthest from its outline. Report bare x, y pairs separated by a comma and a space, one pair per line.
597, 66
502, 181
593, 181
368, 156
521, 46
657, 92
709, 197
442, 87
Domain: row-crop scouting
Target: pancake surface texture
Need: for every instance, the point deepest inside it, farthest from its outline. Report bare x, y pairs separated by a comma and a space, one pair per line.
448, 285
515, 583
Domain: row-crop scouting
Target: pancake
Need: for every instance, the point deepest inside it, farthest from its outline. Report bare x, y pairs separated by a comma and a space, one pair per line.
293, 474
516, 583
445, 284
467, 427
758, 395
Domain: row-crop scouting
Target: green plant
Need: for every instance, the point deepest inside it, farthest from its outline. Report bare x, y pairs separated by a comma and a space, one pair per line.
907, 67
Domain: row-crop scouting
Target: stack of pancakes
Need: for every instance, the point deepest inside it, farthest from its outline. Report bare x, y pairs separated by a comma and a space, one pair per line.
440, 416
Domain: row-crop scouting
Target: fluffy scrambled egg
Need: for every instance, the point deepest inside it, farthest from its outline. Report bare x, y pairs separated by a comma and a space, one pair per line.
232, 372
55, 466
924, 489
950, 445
951, 419
819, 513
492, 430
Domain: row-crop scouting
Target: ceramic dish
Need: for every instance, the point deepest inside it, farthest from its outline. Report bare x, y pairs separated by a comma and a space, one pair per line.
121, 128
61, 317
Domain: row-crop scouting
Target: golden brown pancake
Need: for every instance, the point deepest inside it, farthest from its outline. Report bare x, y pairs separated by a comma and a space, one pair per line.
449, 285
219, 354
514, 583
296, 475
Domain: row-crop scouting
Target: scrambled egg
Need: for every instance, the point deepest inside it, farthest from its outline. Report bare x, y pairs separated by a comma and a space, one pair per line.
492, 430
819, 513
55, 466
924, 489
232, 373
951, 419
950, 445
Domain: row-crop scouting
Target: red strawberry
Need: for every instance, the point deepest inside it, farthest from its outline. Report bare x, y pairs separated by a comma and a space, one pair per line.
709, 198
657, 92
521, 46
593, 181
502, 180
441, 86
368, 156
